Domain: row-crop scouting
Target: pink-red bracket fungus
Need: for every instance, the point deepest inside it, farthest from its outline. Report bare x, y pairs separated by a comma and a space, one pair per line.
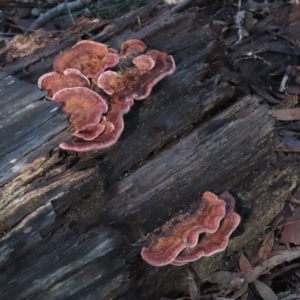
211, 243
114, 125
89, 57
144, 62
92, 132
188, 237
163, 251
53, 82
81, 68
84, 106
136, 83
133, 48
206, 219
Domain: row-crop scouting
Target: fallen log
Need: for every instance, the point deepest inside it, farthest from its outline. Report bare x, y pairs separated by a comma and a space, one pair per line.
73, 224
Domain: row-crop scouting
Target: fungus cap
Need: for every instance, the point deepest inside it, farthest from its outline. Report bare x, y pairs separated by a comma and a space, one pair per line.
144, 62
207, 219
90, 133
205, 222
114, 125
187, 228
163, 251
132, 47
136, 83
53, 81
89, 57
211, 243
84, 106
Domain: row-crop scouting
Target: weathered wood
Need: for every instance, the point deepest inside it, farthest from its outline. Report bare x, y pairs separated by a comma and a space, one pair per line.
73, 224
164, 114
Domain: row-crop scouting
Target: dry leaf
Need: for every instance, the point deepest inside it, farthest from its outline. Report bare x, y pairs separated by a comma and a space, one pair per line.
279, 258
291, 229
193, 287
265, 292
266, 246
239, 282
222, 277
244, 264
289, 144
290, 114
240, 292
293, 89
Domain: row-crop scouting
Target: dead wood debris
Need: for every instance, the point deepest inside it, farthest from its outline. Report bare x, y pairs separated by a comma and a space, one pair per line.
63, 8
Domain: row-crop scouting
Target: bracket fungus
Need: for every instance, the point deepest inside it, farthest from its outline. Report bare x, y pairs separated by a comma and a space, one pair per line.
114, 125
188, 237
89, 57
78, 70
53, 82
132, 47
211, 243
136, 82
84, 106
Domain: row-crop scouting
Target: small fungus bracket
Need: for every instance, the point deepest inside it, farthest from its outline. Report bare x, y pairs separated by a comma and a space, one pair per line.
188, 237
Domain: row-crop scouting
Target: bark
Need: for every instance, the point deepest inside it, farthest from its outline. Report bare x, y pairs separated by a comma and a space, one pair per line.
73, 224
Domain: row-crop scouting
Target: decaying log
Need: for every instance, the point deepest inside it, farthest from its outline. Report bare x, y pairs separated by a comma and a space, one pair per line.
73, 224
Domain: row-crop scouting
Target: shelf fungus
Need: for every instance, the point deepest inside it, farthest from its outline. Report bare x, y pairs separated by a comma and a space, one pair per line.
190, 236
89, 57
53, 82
84, 107
132, 47
136, 82
114, 125
99, 122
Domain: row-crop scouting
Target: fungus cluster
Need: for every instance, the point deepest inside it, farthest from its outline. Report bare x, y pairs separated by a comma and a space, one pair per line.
188, 237
98, 85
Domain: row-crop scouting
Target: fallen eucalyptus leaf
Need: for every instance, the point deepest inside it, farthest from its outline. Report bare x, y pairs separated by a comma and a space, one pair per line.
222, 277
240, 292
264, 291
244, 264
290, 114
193, 287
266, 246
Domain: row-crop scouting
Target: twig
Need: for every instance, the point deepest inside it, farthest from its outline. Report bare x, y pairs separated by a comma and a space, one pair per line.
57, 11
284, 79
238, 20
16, 26
7, 33
180, 6
71, 16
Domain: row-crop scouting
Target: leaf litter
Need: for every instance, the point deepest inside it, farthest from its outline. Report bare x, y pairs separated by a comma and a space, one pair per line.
268, 273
